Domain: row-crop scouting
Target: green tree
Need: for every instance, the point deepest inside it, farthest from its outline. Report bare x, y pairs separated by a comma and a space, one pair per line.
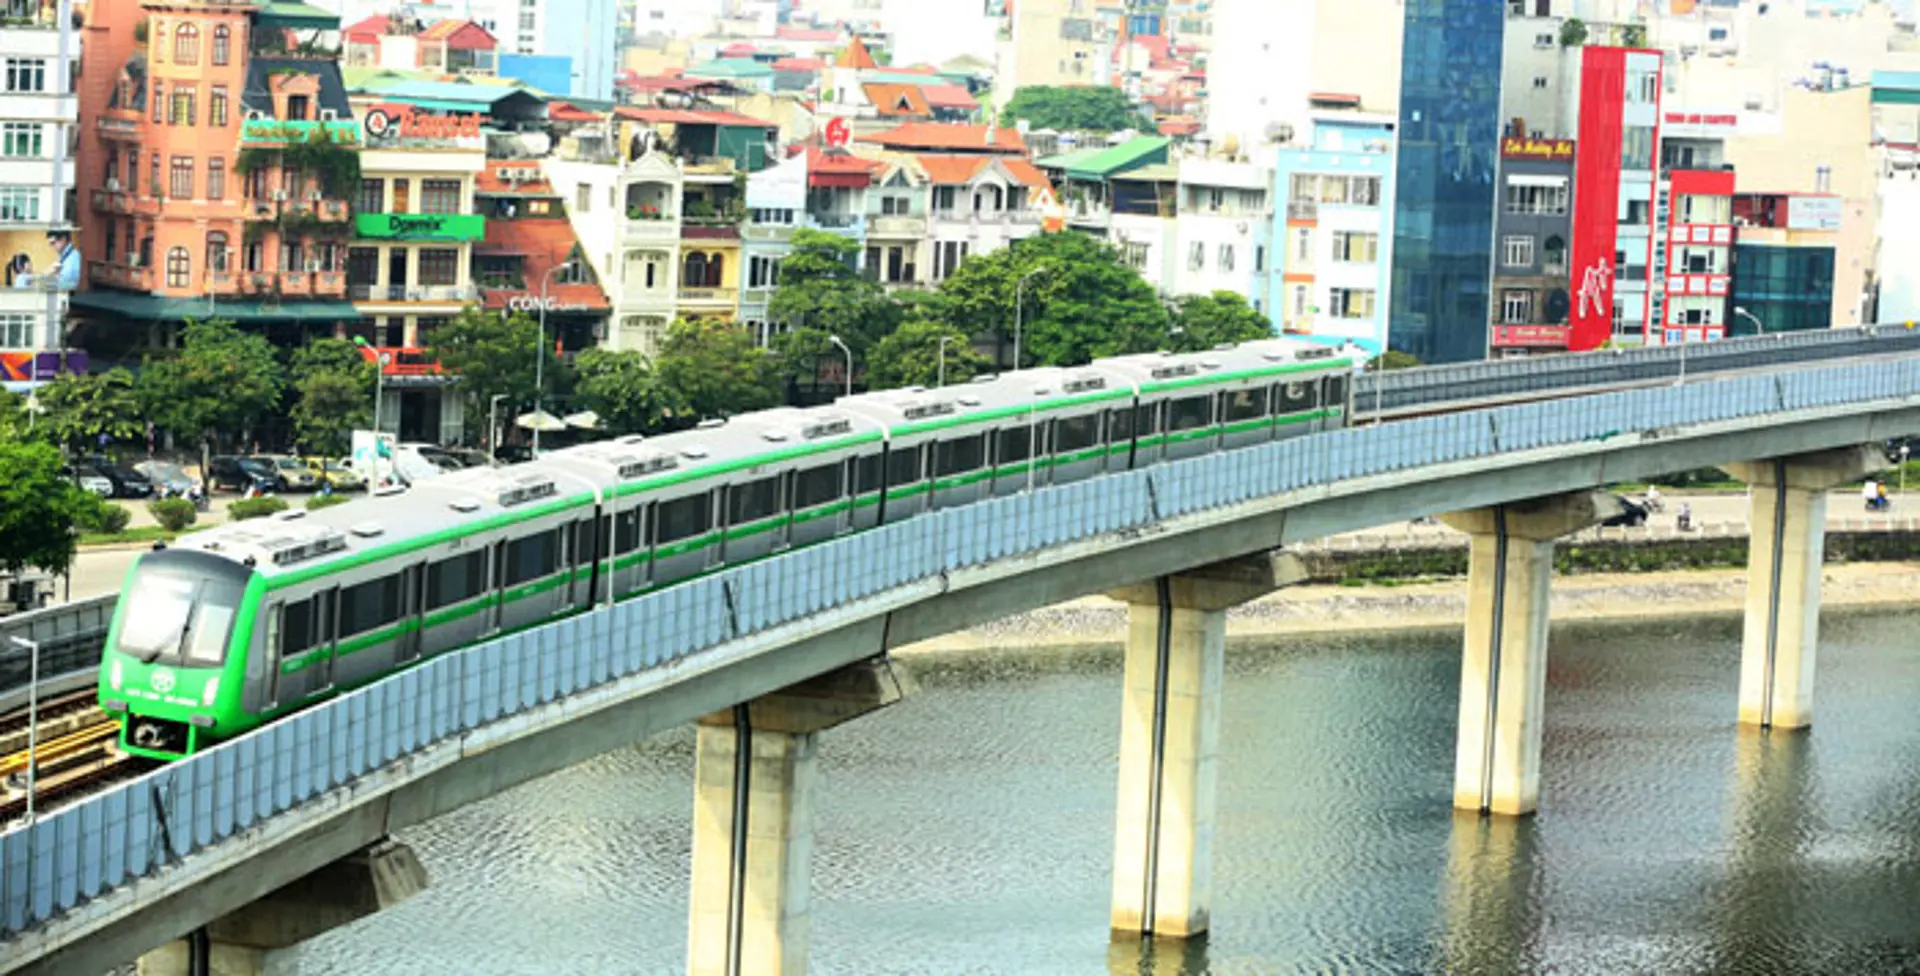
333, 389
79, 409
1395, 359
1633, 35
13, 417
1205, 321
1081, 108
1573, 32
621, 387
220, 380
911, 357
1079, 303
714, 369
496, 355
820, 289
38, 509
797, 354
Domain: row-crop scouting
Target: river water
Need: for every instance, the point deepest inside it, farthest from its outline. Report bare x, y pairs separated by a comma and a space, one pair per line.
969, 829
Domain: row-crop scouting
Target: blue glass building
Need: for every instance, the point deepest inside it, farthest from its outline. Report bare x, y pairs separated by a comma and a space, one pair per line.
1443, 203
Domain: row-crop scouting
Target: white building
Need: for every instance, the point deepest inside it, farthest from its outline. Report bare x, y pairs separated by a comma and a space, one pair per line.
1225, 228
776, 205
980, 205
38, 112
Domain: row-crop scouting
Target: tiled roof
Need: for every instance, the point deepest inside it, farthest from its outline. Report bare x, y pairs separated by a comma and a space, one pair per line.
1025, 172
856, 56
674, 116
897, 100
730, 68
820, 36
491, 182
545, 242
740, 49
1179, 125
959, 170
801, 64
837, 167
461, 35
371, 28
950, 96
558, 111
941, 136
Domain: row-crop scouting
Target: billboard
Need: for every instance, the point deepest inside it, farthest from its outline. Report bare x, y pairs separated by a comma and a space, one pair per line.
1813, 213
373, 456
1596, 196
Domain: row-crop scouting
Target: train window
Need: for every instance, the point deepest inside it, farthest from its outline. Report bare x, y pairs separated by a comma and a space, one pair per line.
370, 605
626, 531
1189, 413
296, 628
682, 518
1336, 390
1076, 433
1120, 425
533, 557
959, 455
903, 466
1014, 444
866, 474
753, 501
583, 540
1245, 405
816, 486
1146, 420
1297, 396
452, 581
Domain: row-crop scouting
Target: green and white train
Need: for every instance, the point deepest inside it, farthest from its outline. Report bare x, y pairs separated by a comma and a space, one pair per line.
236, 626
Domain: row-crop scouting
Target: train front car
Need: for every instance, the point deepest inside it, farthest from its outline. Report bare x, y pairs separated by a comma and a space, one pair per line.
178, 641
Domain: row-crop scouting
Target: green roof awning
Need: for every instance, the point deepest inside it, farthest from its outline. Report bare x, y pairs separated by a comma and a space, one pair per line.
444, 105
296, 16
1068, 160
1132, 154
153, 308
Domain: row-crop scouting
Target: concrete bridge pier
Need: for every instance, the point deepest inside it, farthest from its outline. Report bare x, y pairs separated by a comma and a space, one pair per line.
1503, 672
753, 782
1169, 740
1786, 546
340, 893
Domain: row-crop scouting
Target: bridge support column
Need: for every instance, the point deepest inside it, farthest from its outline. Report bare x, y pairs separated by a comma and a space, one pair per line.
338, 894
753, 781
1786, 544
1503, 670
1169, 741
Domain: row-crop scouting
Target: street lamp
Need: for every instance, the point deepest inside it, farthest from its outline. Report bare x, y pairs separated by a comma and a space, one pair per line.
843, 348
381, 359
1749, 316
540, 351
493, 427
941, 376
1017, 311
33, 716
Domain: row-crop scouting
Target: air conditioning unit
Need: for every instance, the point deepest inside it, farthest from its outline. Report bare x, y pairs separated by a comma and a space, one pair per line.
254, 114
328, 115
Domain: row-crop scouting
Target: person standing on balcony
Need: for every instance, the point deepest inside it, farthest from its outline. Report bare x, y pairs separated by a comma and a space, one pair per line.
66, 261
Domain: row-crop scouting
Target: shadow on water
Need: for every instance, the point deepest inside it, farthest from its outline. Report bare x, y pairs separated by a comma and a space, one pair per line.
1157, 957
1491, 917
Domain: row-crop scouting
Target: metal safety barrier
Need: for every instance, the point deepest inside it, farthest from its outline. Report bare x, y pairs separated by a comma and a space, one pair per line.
70, 636
131, 830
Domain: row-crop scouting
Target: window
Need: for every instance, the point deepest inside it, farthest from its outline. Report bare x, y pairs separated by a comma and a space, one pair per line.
20, 139
182, 113
1226, 257
1636, 147
947, 257
1190, 413
217, 106
682, 518
1516, 251
153, 175
1134, 254
179, 268
1259, 258
1539, 82
582, 199
903, 466
373, 197
1543, 41
369, 606
1300, 296
180, 184
866, 474
1365, 191
585, 540
895, 206
16, 331
1196, 256
816, 486
186, 45
1548, 200
452, 581
133, 172
1302, 246
1355, 247
440, 196
762, 271
159, 102
217, 253
26, 74
297, 626
402, 196
1076, 433
1350, 303
533, 557
19, 204
1014, 444
1245, 405
439, 266
753, 501
959, 456
216, 178
292, 255
1516, 306
222, 44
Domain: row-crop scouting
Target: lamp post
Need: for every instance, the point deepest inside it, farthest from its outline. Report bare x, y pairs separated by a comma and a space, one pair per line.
1758, 326
1017, 308
941, 374
493, 427
33, 717
1904, 450
843, 348
540, 352
381, 359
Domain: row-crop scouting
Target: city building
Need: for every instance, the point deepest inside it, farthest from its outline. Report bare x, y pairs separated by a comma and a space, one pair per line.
1693, 232
531, 260
1049, 42
898, 249
1446, 163
1329, 274
1784, 261
38, 116
1532, 230
443, 46
1224, 228
776, 206
219, 168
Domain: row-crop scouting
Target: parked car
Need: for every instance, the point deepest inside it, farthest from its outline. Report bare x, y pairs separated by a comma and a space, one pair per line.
235, 473
1631, 513
513, 453
168, 479
89, 480
470, 457
127, 483
338, 473
292, 471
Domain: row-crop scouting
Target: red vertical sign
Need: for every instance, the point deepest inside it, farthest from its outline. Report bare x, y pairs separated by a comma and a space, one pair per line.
1596, 196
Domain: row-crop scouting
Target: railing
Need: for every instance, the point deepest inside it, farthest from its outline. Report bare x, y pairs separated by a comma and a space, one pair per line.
897, 224
112, 202
70, 637
1303, 210
422, 293
232, 793
834, 221
708, 294
120, 276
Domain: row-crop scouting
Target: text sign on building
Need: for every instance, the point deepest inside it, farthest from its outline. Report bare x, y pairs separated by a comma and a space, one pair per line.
338, 132
1813, 213
1516, 148
410, 125
1539, 336
420, 227
1697, 125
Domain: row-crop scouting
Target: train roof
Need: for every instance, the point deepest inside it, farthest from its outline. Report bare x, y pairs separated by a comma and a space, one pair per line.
1148, 369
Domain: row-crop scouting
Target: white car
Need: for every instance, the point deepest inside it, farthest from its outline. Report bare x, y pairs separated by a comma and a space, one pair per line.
90, 481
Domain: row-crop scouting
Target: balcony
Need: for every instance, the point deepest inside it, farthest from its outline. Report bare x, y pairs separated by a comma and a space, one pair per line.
710, 229
836, 223
263, 283
117, 202
120, 276
766, 232
650, 230
417, 294
111, 127
263, 209
296, 284
1303, 210
223, 283
332, 211
278, 133
709, 296
897, 225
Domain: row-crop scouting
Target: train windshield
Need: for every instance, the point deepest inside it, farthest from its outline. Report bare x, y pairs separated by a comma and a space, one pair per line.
181, 611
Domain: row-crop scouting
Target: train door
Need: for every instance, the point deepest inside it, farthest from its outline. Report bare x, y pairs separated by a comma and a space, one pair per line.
413, 607
497, 588
326, 606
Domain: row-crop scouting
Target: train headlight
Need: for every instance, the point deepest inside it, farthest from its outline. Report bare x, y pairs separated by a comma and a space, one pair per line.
212, 692
113, 675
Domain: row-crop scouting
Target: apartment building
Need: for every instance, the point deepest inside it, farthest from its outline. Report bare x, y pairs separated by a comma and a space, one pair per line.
38, 134
1050, 42
1329, 274
776, 207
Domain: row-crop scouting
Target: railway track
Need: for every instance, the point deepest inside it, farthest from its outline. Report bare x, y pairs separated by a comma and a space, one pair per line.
75, 751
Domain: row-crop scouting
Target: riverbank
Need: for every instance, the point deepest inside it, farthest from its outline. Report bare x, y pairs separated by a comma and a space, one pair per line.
1098, 622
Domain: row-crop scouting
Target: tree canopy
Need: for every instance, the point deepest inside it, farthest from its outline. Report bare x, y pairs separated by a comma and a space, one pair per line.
495, 355
1080, 301
911, 357
819, 288
38, 508
715, 369
1205, 321
333, 390
1083, 108
622, 388
80, 409
220, 380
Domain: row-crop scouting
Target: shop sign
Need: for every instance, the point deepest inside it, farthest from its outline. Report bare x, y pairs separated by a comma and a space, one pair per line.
420, 227
343, 133
534, 303
1695, 125
412, 125
1530, 335
1518, 148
